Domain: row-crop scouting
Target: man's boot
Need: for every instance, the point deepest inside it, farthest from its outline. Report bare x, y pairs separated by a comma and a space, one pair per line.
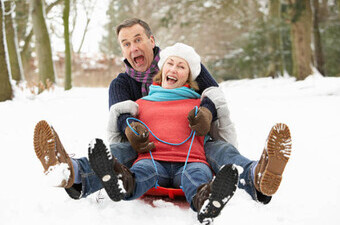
52, 154
117, 180
213, 196
269, 170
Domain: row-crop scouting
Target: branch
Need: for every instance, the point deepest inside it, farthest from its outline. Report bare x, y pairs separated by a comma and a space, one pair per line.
28, 38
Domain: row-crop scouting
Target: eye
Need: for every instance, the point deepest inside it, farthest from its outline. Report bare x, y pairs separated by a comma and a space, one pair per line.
138, 40
170, 63
126, 44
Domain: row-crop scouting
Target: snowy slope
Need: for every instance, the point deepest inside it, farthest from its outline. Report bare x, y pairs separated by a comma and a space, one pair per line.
309, 193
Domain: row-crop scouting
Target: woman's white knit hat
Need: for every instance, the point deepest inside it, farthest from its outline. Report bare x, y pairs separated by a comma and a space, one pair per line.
185, 52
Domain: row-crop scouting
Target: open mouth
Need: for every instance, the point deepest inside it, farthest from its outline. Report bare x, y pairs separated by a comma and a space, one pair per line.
139, 60
171, 79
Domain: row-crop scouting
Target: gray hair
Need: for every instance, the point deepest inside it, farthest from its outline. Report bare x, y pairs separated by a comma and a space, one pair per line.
134, 21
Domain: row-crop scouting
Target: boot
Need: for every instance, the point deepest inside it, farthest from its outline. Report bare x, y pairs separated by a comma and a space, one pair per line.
213, 196
52, 154
269, 170
117, 180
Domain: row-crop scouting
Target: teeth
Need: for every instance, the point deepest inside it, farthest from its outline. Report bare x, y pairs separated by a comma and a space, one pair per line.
172, 78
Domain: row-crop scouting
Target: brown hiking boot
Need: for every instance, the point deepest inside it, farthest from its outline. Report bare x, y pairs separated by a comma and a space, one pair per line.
52, 154
269, 170
213, 196
117, 179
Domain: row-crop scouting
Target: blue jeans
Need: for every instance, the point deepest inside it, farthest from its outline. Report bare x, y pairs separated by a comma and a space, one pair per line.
90, 183
169, 174
218, 153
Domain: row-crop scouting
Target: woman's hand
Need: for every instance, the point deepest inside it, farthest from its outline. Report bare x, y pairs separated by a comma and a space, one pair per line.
201, 122
140, 143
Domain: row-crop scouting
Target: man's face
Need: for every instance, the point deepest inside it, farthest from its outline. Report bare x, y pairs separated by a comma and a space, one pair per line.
136, 47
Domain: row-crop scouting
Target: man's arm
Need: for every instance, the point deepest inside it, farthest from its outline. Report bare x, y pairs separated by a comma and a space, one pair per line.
213, 98
122, 89
205, 80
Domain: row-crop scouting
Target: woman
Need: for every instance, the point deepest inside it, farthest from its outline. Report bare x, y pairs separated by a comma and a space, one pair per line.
165, 111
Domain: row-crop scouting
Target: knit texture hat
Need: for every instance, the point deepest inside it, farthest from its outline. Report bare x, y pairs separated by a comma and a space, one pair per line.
185, 52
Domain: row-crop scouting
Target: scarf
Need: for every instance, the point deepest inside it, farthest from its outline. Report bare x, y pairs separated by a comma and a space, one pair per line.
159, 94
144, 77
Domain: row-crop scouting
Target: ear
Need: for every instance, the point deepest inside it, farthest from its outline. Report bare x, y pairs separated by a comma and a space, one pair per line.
152, 39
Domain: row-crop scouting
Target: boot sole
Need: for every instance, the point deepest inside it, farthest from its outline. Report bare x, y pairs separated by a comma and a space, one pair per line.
102, 164
44, 145
223, 189
279, 146
44, 142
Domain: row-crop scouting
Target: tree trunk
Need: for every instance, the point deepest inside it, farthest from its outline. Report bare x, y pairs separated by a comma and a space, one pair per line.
276, 65
338, 8
42, 43
301, 28
6, 91
68, 61
318, 53
12, 45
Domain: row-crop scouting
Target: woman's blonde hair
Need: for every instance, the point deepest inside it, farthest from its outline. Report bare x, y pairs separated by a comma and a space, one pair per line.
158, 79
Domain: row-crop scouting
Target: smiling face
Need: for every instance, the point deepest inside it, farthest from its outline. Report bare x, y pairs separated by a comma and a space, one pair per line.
137, 47
175, 72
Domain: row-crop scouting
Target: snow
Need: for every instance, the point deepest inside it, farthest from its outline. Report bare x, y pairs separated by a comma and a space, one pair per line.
57, 174
309, 192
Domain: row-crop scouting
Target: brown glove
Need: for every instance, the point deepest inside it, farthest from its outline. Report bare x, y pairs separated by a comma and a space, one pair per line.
201, 122
140, 143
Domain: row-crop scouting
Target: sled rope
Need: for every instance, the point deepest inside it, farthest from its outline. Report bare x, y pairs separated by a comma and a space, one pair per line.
192, 136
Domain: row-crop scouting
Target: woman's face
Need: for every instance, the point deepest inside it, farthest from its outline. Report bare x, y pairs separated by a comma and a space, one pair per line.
175, 72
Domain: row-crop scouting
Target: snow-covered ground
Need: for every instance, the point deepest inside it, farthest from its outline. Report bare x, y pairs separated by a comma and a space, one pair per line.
309, 193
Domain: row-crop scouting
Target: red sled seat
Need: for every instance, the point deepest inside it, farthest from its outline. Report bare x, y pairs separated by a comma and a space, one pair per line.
172, 193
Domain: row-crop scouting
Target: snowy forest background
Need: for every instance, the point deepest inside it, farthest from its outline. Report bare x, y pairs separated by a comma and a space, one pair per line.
48, 42
275, 61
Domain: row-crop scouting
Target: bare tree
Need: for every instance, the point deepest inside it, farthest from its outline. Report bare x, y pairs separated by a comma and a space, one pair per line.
88, 8
275, 46
5, 85
68, 61
318, 53
42, 42
26, 29
301, 32
12, 43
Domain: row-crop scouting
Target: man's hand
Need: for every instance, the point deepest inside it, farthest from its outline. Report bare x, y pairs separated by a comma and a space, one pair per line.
201, 122
140, 143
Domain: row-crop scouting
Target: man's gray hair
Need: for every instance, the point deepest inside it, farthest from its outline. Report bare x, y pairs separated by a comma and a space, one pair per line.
134, 21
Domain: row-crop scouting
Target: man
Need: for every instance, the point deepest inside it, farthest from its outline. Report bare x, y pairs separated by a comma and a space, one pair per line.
260, 179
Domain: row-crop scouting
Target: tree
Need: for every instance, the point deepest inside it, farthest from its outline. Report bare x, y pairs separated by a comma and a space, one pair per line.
301, 32
12, 43
42, 42
318, 53
88, 7
6, 91
116, 13
68, 61
275, 42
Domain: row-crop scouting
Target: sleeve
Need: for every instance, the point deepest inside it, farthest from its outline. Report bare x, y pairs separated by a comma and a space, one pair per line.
222, 128
205, 80
207, 103
120, 91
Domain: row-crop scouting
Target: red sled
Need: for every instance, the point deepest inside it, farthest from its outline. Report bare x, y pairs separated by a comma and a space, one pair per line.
172, 193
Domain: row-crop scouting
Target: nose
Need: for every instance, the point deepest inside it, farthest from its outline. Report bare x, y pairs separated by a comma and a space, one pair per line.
173, 69
134, 47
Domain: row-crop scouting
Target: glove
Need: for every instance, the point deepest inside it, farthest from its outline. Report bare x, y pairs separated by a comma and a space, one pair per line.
201, 122
140, 143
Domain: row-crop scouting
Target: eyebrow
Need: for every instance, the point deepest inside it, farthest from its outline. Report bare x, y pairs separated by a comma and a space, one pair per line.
181, 62
137, 35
